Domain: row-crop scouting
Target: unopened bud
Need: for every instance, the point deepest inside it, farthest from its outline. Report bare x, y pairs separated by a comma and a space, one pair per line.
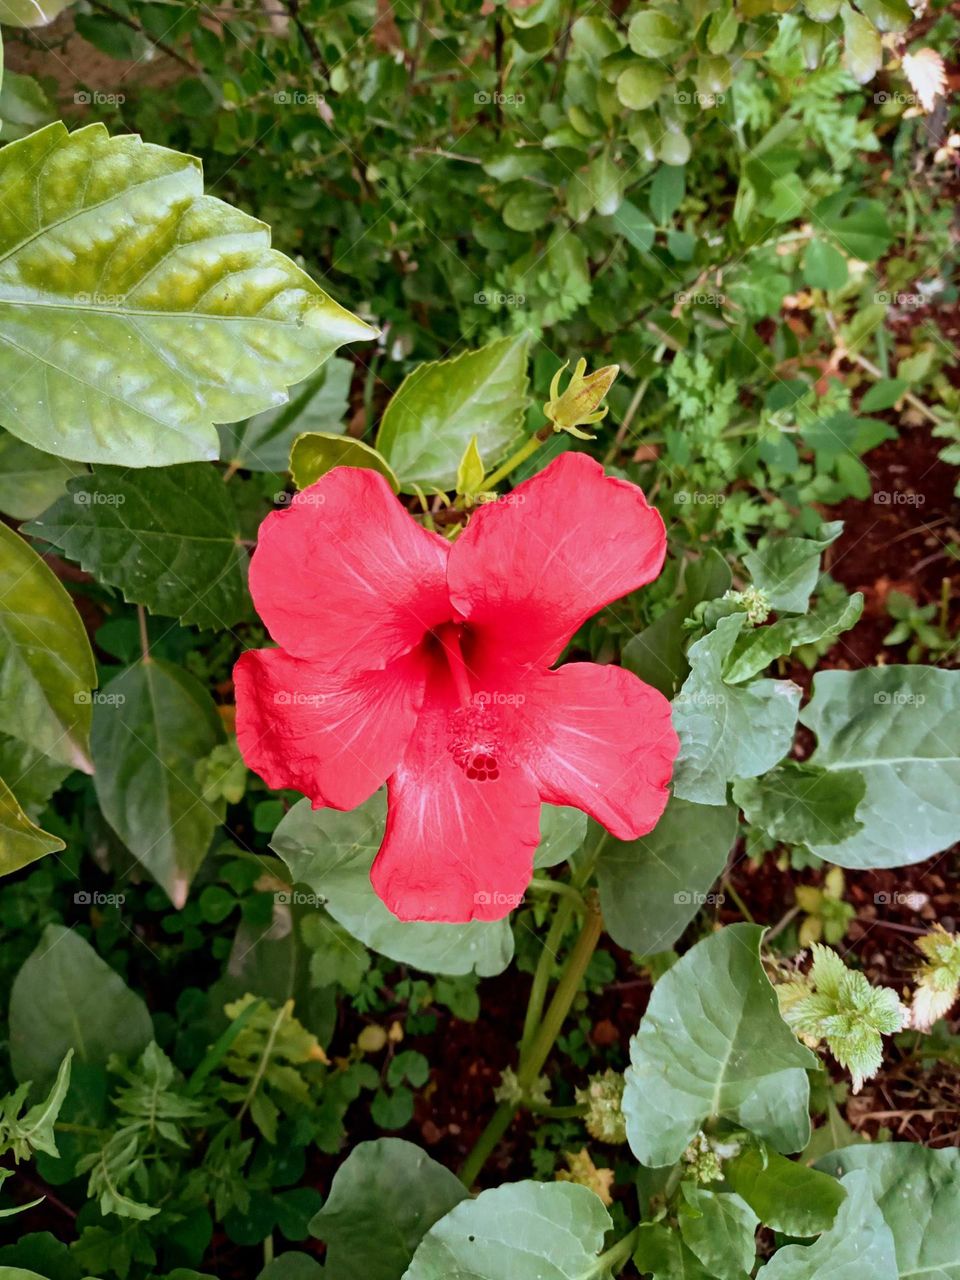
579, 405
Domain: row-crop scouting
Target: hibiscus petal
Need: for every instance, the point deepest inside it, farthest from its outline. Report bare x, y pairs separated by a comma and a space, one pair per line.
337, 741
601, 740
456, 847
345, 578
530, 569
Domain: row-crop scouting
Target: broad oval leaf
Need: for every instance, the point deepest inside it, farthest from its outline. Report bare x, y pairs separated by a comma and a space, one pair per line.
46, 665
899, 726
151, 726
168, 537
651, 888
333, 852
711, 1046
30, 480
918, 1193
785, 1194
859, 1244
390, 1183
21, 841
524, 1230
443, 404
136, 312
65, 997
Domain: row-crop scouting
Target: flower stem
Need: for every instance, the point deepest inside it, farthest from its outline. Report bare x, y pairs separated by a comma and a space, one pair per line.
541, 977
538, 1050
616, 1256
526, 450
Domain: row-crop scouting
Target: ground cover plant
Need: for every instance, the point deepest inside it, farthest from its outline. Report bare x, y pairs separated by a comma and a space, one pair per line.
479, 698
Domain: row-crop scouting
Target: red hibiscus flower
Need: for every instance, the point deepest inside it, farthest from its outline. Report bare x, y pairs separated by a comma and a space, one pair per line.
409, 660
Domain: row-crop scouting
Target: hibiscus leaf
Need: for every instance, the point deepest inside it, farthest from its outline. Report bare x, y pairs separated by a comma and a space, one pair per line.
719, 1229
314, 454
46, 666
21, 841
519, 1230
728, 731
30, 480
918, 1193
262, 443
65, 997
151, 724
562, 832
168, 537
899, 726
712, 1045
785, 1194
651, 888
443, 404
858, 1244
398, 1186
136, 312
332, 853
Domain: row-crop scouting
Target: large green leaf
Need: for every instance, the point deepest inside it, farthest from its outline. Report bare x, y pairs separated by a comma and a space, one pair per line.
711, 1046
718, 1228
757, 648
786, 569
443, 404
314, 454
168, 537
651, 888
384, 1199
65, 997
333, 852
728, 731
662, 1254
30, 480
23, 106
524, 1230
262, 443
30, 775
46, 666
562, 832
785, 1194
30, 13
918, 1192
151, 726
136, 312
21, 841
802, 804
858, 1245
900, 727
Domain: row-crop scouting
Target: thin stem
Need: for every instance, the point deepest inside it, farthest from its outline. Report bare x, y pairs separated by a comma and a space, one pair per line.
541, 977
526, 450
543, 884
543, 1041
144, 637
739, 902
